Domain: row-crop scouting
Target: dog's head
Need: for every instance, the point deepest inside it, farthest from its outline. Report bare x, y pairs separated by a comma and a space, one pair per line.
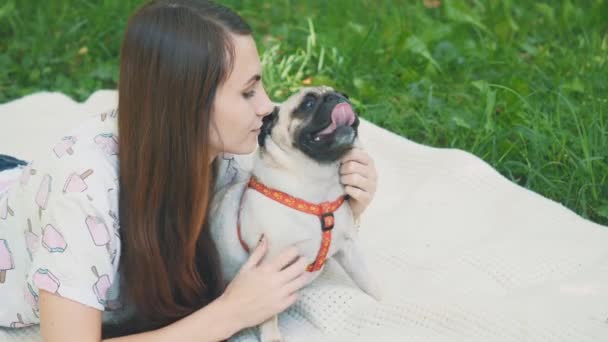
318, 121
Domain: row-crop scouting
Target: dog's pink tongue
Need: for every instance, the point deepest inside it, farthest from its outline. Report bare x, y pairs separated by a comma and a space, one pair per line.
342, 114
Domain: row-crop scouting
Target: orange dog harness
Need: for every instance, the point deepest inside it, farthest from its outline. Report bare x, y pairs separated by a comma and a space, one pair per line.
324, 211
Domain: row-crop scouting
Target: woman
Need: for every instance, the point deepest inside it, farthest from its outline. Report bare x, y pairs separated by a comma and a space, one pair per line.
190, 92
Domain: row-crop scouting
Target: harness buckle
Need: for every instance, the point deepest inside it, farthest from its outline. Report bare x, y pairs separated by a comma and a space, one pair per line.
327, 221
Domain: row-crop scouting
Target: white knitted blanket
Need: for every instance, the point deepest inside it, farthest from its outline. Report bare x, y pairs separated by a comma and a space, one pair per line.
463, 254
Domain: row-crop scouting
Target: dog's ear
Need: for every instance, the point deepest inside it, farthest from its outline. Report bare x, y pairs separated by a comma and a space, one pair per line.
268, 123
344, 94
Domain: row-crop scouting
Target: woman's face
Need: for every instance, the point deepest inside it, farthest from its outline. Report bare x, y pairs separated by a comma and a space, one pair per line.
240, 103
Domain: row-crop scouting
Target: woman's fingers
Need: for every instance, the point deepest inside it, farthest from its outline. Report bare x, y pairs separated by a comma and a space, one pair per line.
286, 257
357, 193
358, 155
352, 167
257, 254
298, 283
294, 270
357, 180
289, 301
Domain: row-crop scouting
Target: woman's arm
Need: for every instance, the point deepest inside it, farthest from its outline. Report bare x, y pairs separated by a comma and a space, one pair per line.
214, 322
261, 289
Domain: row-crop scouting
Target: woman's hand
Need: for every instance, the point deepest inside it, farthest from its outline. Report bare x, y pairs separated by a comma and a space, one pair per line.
259, 292
358, 174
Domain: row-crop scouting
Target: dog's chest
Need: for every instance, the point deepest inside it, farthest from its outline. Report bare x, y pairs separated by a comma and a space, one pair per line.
285, 226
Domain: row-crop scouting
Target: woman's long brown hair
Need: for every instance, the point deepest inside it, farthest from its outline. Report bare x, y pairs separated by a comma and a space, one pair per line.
174, 55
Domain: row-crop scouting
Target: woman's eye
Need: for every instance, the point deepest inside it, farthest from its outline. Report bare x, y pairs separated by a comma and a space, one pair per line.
249, 94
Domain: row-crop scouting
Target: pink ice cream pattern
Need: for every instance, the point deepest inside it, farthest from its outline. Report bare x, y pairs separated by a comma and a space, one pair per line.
115, 223
52, 240
76, 183
98, 230
64, 146
115, 231
6, 260
45, 280
44, 191
31, 298
19, 323
26, 173
108, 143
31, 240
5, 210
111, 114
101, 286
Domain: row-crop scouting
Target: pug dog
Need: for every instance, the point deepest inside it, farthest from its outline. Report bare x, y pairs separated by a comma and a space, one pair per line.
293, 195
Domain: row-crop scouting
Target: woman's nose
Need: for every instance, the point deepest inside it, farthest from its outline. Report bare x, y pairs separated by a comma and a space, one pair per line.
265, 106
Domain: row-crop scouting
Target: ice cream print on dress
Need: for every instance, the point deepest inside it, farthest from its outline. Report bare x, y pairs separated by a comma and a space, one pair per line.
115, 222
101, 286
100, 234
19, 323
64, 146
111, 113
52, 240
32, 298
98, 230
5, 210
108, 142
44, 191
31, 240
45, 280
6, 260
76, 183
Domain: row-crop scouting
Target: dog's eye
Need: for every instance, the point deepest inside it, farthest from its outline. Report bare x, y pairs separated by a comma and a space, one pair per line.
308, 103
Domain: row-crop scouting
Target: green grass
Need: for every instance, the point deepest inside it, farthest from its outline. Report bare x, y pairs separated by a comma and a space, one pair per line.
521, 84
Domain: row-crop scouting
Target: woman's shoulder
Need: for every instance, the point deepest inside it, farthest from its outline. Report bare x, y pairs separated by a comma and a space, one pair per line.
82, 163
97, 132
92, 141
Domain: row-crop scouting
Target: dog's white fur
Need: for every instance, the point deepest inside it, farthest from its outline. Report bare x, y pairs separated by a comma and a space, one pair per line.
281, 166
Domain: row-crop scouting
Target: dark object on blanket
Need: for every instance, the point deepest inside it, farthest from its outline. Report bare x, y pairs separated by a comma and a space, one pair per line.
8, 162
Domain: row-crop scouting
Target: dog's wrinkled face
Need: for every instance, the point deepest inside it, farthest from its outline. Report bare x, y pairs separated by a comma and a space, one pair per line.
318, 121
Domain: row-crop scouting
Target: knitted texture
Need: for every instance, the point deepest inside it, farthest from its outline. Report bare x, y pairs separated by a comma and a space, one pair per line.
462, 253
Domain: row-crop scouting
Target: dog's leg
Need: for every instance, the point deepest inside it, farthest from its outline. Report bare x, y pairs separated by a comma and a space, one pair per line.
269, 330
354, 264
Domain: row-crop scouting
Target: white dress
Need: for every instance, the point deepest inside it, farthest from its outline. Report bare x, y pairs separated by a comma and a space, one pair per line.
58, 226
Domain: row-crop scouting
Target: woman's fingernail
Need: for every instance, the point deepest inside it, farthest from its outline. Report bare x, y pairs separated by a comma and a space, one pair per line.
261, 240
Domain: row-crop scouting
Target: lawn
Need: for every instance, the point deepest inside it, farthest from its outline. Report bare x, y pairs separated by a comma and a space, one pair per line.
521, 84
